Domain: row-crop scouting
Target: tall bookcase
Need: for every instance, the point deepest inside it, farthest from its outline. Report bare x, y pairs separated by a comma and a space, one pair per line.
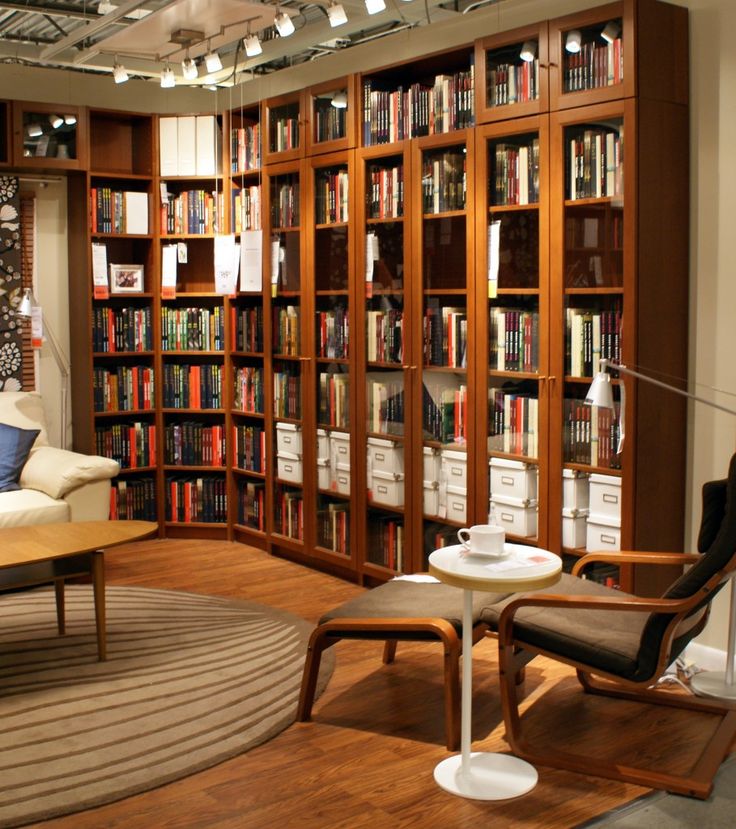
445, 261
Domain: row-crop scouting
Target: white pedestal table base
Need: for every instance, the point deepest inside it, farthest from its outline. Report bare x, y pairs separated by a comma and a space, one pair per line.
489, 776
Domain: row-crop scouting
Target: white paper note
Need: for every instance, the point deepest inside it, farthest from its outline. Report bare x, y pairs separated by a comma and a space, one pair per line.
99, 271
494, 242
168, 271
226, 265
251, 260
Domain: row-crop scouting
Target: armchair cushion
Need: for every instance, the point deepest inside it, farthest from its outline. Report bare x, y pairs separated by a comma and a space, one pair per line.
58, 471
15, 446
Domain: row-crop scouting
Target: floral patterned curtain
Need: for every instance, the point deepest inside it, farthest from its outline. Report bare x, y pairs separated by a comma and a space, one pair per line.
11, 289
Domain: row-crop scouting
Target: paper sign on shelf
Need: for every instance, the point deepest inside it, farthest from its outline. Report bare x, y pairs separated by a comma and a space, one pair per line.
494, 243
371, 245
168, 271
36, 326
251, 260
277, 255
101, 288
164, 193
227, 263
182, 253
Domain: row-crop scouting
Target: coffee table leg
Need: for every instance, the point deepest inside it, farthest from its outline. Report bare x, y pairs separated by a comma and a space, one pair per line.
98, 580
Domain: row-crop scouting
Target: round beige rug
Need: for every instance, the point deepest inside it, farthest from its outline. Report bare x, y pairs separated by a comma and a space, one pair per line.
190, 680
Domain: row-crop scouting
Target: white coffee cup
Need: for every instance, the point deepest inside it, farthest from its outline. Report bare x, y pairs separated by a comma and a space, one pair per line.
483, 539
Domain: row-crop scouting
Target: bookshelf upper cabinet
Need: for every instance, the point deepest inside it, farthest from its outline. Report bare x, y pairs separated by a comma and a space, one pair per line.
332, 116
512, 74
283, 120
5, 144
121, 143
50, 137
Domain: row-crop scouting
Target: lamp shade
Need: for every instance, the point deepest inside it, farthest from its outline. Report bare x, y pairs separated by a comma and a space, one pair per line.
528, 50
25, 309
611, 31
600, 392
340, 100
336, 15
284, 24
252, 46
573, 41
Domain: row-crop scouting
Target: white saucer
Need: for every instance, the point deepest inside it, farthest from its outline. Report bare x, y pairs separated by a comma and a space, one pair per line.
480, 554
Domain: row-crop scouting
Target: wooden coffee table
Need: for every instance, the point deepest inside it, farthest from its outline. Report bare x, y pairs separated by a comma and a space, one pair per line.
52, 553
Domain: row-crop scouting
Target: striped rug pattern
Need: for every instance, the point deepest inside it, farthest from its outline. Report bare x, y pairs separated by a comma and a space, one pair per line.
190, 680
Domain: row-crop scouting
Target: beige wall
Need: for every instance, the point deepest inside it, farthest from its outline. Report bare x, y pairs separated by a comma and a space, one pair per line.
712, 436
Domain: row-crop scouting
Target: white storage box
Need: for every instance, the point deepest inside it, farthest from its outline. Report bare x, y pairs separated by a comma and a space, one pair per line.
323, 444
431, 497
324, 478
385, 456
388, 488
289, 467
454, 468
456, 503
605, 496
289, 438
574, 528
513, 479
431, 464
342, 478
340, 449
518, 516
603, 533
575, 490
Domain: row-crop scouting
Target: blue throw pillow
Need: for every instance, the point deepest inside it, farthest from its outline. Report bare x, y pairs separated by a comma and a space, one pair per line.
15, 446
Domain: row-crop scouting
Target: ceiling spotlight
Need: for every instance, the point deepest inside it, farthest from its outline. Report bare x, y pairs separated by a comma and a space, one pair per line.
336, 15
119, 74
189, 69
573, 40
284, 24
212, 62
105, 7
252, 45
340, 99
528, 51
611, 31
56, 121
167, 77
34, 130
374, 6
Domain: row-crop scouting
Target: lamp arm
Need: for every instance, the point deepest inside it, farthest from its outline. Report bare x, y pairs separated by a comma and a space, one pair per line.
607, 364
61, 360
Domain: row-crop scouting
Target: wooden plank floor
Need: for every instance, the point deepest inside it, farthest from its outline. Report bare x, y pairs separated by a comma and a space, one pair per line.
367, 757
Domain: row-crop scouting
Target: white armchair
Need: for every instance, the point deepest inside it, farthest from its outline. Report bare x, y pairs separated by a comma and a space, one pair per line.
56, 485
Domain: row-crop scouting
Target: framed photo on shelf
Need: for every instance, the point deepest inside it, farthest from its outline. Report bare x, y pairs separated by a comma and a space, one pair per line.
126, 279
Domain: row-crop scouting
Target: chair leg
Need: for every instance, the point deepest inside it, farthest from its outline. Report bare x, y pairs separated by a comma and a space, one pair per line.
60, 614
318, 642
389, 651
452, 650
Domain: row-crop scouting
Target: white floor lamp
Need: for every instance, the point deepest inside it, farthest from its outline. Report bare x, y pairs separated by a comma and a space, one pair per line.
26, 310
719, 684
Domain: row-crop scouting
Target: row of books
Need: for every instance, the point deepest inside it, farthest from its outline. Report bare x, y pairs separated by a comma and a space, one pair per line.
594, 66
591, 434
192, 329
445, 336
122, 389
285, 204
445, 413
252, 505
393, 115
515, 173
595, 163
513, 421
334, 408
191, 443
192, 387
132, 445
193, 212
202, 499
287, 400
333, 333
286, 324
385, 402
509, 83
284, 133
248, 390
386, 547
331, 197
385, 335
246, 205
121, 329
248, 327
250, 447
116, 211
333, 527
245, 148
330, 121
385, 192
288, 519
513, 335
444, 183
133, 499
592, 336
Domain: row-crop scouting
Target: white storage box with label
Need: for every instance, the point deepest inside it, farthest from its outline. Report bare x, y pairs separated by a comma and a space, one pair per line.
289, 438
454, 468
323, 444
431, 464
289, 467
342, 478
518, 516
513, 479
456, 503
324, 478
385, 456
574, 527
340, 449
603, 533
388, 488
605, 496
431, 497
575, 490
